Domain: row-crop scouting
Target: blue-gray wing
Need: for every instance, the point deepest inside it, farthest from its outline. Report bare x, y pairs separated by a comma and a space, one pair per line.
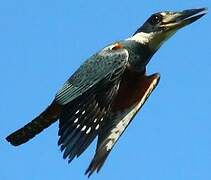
106, 65
86, 99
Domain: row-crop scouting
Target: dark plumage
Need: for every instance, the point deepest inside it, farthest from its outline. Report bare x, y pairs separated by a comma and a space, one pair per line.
103, 96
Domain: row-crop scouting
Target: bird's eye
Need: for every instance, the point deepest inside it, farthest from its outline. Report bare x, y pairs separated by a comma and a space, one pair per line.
155, 19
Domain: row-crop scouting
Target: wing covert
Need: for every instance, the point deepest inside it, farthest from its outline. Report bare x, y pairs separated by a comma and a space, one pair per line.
107, 65
87, 101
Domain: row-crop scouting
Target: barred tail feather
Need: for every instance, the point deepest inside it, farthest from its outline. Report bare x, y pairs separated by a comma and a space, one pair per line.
44, 120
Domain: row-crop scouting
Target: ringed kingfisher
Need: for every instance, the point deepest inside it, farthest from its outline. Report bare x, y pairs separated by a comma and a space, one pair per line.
103, 96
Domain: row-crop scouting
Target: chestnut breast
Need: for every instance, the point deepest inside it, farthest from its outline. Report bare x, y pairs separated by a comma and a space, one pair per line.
132, 88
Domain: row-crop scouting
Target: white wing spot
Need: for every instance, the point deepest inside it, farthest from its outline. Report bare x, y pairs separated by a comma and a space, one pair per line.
97, 127
88, 131
101, 119
83, 129
76, 120
109, 145
77, 112
95, 120
78, 126
83, 112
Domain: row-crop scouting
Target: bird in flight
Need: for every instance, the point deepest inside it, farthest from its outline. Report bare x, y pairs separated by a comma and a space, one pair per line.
103, 96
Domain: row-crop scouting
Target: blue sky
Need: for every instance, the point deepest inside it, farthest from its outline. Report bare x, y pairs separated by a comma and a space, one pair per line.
43, 42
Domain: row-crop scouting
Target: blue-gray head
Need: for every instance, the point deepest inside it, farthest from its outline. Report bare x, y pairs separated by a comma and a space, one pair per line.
161, 26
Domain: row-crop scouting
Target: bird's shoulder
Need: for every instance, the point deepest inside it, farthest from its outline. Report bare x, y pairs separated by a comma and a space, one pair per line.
102, 67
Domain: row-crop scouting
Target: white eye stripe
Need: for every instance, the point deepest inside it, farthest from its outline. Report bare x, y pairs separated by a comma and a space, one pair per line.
95, 120
77, 111
83, 112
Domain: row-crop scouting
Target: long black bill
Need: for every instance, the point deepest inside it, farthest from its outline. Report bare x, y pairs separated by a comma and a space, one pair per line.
192, 15
177, 20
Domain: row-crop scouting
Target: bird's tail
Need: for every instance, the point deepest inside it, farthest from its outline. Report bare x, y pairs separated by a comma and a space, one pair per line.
44, 120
